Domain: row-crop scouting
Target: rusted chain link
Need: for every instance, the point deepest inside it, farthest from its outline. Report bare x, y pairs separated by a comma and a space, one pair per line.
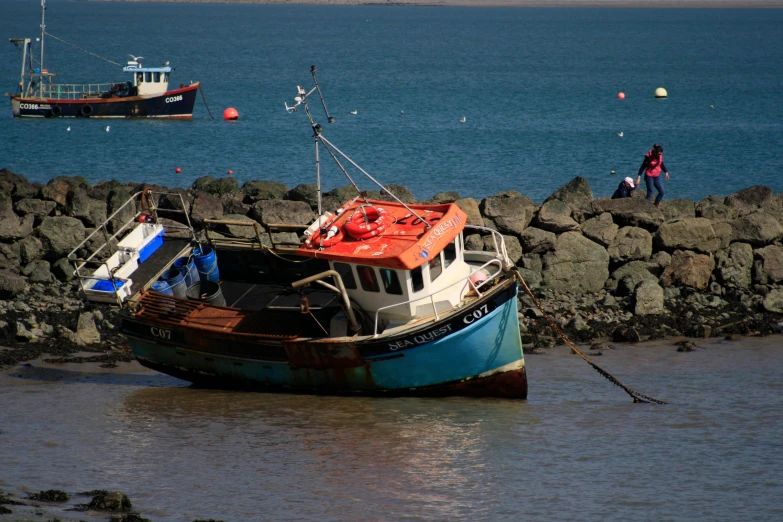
635, 395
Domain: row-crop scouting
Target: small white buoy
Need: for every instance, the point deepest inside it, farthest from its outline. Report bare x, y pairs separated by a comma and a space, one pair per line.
612, 172
108, 127
354, 112
463, 119
620, 134
68, 129
660, 92
402, 112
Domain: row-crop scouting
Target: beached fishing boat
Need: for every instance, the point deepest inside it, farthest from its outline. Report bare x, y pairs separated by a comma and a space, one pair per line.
145, 92
377, 297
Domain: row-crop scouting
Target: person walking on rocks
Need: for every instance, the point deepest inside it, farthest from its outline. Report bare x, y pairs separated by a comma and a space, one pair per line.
652, 166
624, 189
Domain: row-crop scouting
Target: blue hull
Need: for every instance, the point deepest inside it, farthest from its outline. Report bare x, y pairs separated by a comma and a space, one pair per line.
475, 352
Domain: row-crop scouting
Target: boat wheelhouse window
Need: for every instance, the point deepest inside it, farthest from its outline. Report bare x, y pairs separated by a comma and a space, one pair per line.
344, 269
148, 77
156, 77
391, 283
417, 279
436, 268
139, 77
368, 279
165, 77
450, 253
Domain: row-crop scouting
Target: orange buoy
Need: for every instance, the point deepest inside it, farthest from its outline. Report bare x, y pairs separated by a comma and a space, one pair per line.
230, 114
230, 172
621, 95
178, 170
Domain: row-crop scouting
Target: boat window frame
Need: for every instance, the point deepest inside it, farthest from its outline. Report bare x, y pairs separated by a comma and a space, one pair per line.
156, 76
417, 276
366, 269
447, 261
139, 78
147, 76
394, 286
439, 265
348, 283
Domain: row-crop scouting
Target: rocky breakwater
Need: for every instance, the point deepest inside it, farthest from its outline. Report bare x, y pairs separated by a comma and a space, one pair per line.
603, 269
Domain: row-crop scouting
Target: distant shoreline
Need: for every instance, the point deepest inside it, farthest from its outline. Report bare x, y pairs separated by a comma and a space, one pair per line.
643, 4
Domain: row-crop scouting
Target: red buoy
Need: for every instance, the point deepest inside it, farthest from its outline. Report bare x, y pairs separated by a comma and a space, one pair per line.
178, 170
621, 95
230, 114
230, 172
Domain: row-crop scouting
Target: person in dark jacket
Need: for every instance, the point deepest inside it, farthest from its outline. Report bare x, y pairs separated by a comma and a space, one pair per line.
652, 167
624, 189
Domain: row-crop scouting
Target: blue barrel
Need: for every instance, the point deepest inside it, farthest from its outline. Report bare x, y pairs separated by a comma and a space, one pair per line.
162, 287
206, 263
176, 281
207, 292
187, 266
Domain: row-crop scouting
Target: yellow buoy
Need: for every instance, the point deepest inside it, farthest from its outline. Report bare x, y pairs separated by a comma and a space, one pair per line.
660, 92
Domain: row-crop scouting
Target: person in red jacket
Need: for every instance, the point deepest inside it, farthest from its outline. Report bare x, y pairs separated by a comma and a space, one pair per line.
652, 167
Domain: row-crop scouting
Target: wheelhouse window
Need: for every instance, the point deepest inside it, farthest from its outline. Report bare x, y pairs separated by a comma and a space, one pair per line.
148, 77
450, 253
156, 77
417, 279
436, 268
165, 77
367, 278
139, 77
344, 269
391, 282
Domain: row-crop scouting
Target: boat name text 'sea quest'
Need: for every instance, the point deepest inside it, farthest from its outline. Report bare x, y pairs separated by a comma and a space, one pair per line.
421, 338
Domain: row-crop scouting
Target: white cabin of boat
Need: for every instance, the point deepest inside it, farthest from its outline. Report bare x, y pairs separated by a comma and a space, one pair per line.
149, 81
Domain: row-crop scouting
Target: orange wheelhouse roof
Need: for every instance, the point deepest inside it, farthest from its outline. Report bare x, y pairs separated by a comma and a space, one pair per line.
401, 240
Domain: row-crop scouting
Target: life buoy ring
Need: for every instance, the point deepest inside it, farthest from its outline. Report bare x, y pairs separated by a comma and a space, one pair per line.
315, 239
378, 220
86, 110
56, 110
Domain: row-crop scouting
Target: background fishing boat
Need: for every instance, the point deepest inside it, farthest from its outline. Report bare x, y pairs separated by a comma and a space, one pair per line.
145, 94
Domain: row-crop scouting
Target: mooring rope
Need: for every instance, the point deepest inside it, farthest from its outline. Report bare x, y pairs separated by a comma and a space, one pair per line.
205, 101
82, 49
635, 395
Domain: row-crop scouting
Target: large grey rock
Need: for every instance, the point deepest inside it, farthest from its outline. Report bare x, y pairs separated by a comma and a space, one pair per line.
688, 269
470, 207
624, 280
513, 248
715, 208
537, 241
13, 227
205, 207
11, 284
722, 232
773, 301
631, 243
769, 267
402, 193
10, 257
59, 235
648, 299
56, 191
555, 216
576, 265
474, 242
306, 192
80, 205
117, 198
62, 270
30, 249
38, 272
688, 234
36, 207
241, 231
175, 199
445, 197
86, 331
758, 229
630, 212
600, 229
576, 194
678, 209
508, 214
755, 196
277, 211
226, 186
733, 265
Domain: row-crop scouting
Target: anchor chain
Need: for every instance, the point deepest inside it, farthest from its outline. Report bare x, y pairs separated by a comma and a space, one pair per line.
635, 395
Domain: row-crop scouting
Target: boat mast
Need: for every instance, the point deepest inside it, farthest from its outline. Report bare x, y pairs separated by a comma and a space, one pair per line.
43, 31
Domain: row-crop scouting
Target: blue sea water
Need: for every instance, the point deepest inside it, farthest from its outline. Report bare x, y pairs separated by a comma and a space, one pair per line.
537, 87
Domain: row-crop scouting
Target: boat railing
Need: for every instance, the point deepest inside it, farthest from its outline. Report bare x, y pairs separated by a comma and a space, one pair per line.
97, 256
497, 238
260, 232
431, 297
75, 91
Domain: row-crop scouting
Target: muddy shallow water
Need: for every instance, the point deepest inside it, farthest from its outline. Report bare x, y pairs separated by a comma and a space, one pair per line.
578, 449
